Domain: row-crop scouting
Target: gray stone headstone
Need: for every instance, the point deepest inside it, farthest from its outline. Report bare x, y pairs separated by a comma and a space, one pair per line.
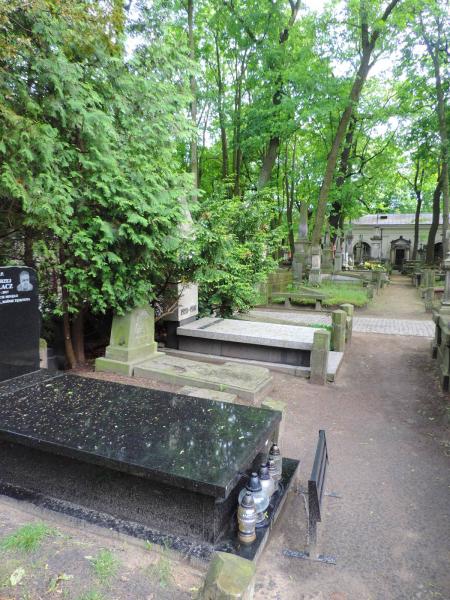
19, 322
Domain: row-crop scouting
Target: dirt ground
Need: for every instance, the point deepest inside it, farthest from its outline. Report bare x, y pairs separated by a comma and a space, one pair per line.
386, 423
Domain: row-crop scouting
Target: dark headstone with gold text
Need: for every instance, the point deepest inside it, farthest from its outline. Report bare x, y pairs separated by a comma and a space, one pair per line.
19, 322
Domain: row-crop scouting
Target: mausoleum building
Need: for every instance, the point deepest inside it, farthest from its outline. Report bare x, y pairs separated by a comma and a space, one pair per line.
390, 237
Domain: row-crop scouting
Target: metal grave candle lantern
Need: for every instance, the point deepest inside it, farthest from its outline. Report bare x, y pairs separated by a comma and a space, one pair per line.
247, 519
260, 498
267, 483
275, 455
273, 473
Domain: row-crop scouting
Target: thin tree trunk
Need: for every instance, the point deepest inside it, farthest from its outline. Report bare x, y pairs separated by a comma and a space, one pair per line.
220, 99
193, 86
434, 52
237, 153
70, 354
418, 193
274, 142
435, 220
28, 256
78, 337
336, 218
368, 45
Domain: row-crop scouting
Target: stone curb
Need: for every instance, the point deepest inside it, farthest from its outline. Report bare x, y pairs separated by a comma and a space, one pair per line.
229, 577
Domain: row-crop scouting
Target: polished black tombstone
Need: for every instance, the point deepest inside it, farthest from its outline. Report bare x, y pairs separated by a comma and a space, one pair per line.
19, 322
172, 463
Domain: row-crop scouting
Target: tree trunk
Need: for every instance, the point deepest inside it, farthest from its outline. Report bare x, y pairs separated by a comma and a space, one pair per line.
268, 162
416, 227
435, 221
418, 192
70, 354
193, 86
368, 45
274, 142
220, 97
336, 219
28, 256
78, 337
434, 49
237, 153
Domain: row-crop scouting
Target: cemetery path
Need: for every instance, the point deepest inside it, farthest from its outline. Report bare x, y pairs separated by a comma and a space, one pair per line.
387, 431
396, 310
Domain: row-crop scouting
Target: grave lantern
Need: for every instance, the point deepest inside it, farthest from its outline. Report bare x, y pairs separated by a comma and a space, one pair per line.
261, 500
267, 483
273, 473
247, 519
275, 455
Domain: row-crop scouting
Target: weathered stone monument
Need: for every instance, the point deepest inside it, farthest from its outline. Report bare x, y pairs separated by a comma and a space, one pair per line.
20, 322
441, 342
132, 341
315, 274
337, 267
302, 246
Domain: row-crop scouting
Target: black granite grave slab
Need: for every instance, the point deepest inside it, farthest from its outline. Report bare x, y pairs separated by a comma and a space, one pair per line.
10, 386
19, 322
191, 443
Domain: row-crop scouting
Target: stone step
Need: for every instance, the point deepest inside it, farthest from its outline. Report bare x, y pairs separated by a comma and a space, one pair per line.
251, 383
335, 360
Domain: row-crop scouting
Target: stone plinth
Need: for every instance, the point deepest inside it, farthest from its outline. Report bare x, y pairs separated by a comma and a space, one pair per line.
314, 274
339, 329
319, 357
132, 341
350, 310
301, 258
248, 340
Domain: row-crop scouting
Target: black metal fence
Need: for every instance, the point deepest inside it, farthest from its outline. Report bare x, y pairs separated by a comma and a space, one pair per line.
316, 486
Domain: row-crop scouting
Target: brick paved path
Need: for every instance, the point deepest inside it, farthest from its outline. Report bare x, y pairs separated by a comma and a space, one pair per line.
363, 324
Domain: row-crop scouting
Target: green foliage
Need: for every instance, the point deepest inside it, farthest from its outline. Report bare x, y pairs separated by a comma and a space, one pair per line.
234, 245
27, 538
89, 166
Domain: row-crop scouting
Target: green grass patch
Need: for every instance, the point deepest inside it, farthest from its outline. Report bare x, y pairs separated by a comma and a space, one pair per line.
91, 595
27, 538
162, 571
343, 293
105, 565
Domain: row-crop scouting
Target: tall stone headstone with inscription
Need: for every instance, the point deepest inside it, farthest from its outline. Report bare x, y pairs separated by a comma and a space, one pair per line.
132, 341
20, 322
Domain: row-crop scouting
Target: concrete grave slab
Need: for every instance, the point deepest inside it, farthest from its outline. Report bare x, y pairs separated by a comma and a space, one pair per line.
196, 392
249, 332
249, 382
249, 340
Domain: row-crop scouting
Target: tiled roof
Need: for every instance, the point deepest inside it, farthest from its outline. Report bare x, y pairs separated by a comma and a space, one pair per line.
393, 219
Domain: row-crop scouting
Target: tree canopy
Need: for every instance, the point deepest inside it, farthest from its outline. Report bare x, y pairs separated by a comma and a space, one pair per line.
116, 117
